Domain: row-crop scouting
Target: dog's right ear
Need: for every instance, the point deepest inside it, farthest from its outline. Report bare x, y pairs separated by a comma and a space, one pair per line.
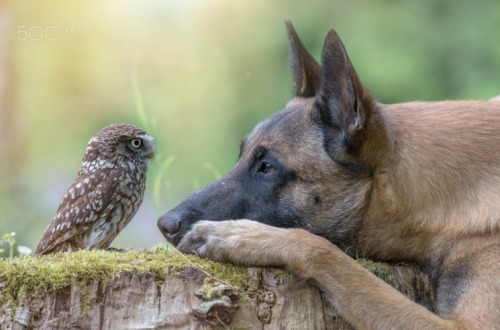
344, 105
305, 70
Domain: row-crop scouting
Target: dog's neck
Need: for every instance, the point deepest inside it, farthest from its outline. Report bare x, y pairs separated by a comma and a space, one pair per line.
437, 173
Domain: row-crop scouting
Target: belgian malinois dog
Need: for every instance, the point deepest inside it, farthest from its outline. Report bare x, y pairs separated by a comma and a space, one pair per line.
337, 174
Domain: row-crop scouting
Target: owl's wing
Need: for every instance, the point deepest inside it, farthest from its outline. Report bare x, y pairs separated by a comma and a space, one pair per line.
86, 201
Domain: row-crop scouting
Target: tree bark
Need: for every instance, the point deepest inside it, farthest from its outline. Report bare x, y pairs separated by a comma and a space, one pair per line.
191, 299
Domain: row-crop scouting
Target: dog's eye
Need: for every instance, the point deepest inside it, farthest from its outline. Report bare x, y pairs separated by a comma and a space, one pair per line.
265, 167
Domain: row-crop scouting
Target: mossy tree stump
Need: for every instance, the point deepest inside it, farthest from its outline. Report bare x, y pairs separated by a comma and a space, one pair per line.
166, 290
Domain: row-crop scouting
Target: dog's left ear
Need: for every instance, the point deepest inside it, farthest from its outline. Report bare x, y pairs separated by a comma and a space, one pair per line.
343, 103
304, 68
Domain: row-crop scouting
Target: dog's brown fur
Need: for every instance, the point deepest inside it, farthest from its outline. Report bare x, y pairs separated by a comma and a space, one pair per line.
416, 182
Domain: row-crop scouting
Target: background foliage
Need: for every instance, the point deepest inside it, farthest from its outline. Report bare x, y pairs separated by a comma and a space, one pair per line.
204, 72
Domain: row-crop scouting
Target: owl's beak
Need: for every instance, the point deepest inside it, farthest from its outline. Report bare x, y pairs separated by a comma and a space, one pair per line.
152, 156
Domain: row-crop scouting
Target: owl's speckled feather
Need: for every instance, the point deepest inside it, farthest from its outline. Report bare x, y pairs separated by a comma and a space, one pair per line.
105, 195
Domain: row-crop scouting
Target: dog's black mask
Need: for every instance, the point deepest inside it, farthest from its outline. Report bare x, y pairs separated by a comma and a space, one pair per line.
244, 193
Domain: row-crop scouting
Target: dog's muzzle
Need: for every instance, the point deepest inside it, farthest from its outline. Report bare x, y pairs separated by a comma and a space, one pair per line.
176, 223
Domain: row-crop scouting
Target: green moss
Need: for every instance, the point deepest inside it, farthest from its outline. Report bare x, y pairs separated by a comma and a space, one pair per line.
61, 270
85, 300
283, 276
380, 269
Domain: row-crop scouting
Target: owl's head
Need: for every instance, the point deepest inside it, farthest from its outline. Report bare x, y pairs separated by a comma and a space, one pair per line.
117, 143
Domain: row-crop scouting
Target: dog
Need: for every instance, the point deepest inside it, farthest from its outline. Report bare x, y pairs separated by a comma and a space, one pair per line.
336, 174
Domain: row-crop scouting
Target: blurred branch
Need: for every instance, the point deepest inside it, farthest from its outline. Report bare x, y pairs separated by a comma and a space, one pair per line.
9, 137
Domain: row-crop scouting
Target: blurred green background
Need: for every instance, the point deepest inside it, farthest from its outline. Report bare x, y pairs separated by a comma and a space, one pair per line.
206, 72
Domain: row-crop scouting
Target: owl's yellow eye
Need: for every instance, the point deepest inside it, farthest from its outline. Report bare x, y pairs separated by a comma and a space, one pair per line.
136, 143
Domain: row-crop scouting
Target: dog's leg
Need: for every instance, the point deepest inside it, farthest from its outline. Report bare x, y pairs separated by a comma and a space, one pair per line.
360, 297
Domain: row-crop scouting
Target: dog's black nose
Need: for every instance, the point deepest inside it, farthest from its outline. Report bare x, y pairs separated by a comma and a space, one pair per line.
176, 223
170, 224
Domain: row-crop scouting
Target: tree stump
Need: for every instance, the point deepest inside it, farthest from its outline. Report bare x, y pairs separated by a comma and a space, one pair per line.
166, 290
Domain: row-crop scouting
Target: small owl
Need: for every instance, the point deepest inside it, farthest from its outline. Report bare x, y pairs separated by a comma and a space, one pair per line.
106, 193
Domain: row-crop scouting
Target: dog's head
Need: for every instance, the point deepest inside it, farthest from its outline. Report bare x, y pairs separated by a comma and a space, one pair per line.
307, 166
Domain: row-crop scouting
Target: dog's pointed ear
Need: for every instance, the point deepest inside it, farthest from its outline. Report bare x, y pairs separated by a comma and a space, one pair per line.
304, 68
343, 103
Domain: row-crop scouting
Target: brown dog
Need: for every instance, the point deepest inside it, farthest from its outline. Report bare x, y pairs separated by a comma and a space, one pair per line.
337, 173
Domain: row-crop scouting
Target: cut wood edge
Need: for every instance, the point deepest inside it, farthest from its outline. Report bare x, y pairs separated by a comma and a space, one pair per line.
188, 297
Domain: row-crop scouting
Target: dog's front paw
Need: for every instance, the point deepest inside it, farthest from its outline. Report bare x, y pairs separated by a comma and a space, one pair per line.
242, 242
201, 239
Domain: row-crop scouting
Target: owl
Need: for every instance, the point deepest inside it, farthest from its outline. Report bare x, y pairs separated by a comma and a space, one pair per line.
106, 193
